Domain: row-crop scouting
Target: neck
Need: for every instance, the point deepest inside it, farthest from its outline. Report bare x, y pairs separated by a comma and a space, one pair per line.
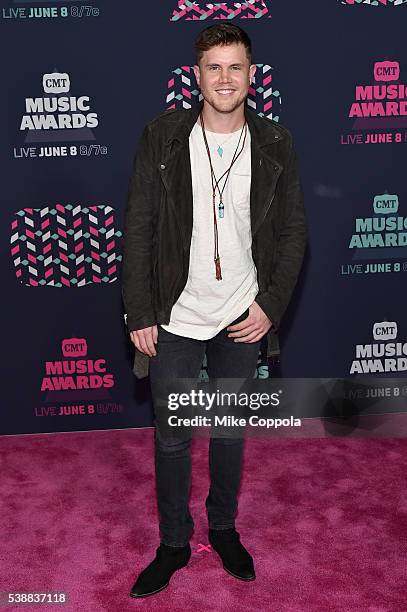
223, 123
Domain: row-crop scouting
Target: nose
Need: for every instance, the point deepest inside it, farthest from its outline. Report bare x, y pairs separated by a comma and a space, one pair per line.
224, 75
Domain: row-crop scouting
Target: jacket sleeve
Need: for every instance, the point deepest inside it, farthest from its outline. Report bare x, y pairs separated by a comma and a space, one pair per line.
292, 240
138, 238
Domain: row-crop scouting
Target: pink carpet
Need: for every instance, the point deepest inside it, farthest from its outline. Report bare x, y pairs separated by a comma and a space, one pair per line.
324, 518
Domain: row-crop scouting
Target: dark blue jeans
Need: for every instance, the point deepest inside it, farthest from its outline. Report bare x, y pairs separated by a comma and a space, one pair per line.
181, 357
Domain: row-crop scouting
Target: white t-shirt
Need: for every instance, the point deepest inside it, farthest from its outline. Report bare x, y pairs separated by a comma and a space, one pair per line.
207, 305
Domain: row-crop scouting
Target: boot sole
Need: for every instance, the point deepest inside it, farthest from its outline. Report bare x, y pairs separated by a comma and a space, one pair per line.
136, 596
239, 577
228, 570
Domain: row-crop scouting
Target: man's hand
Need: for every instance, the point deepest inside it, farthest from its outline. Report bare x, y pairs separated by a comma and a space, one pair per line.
253, 328
145, 339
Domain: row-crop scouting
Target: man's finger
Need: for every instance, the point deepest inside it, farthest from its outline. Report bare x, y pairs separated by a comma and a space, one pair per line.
143, 340
240, 325
253, 337
155, 334
243, 332
143, 343
134, 339
148, 335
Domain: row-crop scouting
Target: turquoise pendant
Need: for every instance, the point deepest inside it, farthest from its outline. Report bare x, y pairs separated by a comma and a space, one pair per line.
220, 151
221, 209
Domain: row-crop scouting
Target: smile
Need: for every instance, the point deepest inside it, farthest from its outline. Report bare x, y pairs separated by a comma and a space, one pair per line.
225, 92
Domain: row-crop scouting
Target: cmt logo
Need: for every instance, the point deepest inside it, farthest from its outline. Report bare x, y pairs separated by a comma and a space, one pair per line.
385, 204
74, 347
198, 11
56, 83
384, 331
263, 97
387, 71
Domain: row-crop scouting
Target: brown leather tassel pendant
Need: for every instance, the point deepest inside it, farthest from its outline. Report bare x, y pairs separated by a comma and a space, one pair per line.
215, 186
218, 268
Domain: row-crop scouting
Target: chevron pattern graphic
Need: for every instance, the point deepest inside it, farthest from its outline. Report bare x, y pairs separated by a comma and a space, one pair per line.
199, 11
65, 246
183, 89
263, 98
375, 2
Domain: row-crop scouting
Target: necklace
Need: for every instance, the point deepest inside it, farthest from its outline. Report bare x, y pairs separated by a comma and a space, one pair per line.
220, 149
215, 186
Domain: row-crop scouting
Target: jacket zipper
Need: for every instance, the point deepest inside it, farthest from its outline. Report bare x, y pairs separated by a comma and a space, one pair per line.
268, 207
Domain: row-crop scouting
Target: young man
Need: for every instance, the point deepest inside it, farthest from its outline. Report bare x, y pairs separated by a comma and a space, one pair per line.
214, 239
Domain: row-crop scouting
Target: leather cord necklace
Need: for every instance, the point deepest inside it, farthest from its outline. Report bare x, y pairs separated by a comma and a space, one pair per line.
215, 186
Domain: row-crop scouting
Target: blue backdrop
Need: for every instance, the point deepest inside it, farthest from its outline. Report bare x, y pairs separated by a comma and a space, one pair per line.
80, 80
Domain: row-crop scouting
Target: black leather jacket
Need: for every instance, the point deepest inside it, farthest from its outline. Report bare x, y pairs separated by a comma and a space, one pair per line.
158, 221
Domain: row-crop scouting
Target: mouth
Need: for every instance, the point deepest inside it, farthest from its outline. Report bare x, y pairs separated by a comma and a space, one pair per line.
225, 92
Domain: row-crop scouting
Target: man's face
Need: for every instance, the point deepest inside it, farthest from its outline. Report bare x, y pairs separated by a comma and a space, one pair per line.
224, 76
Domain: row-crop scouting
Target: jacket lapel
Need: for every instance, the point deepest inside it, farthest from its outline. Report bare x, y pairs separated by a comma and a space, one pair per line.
177, 179
176, 173
265, 170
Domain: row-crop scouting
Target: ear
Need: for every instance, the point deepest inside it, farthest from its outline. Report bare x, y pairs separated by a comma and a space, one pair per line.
252, 71
197, 74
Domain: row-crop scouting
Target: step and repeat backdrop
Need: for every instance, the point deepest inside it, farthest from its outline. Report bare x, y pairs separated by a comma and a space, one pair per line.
79, 82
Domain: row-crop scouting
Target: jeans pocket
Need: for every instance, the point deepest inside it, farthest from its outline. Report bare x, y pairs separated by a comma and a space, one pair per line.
241, 318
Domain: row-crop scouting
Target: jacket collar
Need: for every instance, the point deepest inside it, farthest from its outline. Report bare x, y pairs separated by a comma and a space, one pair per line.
263, 133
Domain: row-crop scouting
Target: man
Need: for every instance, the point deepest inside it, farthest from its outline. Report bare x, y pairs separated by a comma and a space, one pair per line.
214, 239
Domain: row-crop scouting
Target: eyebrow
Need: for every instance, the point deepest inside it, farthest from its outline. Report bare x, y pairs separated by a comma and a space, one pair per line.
214, 64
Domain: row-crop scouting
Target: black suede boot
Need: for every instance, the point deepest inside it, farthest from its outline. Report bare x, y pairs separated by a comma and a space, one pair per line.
236, 560
157, 574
